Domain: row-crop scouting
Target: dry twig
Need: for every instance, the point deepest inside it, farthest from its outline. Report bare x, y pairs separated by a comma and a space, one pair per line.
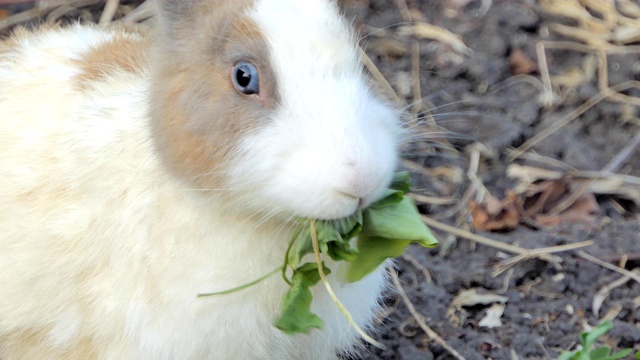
606, 265
602, 95
411, 260
541, 253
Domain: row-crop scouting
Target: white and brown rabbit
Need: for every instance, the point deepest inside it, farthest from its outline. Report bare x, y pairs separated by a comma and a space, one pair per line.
138, 172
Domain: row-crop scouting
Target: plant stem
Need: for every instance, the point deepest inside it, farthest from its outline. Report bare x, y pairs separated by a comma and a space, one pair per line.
345, 312
241, 287
295, 236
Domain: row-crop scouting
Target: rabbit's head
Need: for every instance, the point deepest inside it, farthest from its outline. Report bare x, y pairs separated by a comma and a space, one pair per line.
265, 104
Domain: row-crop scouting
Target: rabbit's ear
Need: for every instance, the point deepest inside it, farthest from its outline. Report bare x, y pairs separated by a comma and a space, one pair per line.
179, 16
177, 6
173, 15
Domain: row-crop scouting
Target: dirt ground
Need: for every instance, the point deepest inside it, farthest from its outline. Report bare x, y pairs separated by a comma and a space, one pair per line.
481, 95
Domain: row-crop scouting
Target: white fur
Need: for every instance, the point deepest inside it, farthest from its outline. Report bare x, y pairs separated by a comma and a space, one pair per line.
102, 251
340, 140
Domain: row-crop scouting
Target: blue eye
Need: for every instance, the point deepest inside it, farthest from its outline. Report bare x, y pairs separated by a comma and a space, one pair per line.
245, 78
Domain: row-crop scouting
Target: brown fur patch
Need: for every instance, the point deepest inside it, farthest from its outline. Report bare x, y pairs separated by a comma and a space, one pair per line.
120, 54
198, 116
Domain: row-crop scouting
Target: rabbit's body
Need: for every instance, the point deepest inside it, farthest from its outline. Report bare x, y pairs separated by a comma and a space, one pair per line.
113, 216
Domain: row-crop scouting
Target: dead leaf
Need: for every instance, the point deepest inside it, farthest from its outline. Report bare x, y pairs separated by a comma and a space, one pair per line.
492, 318
558, 201
520, 63
471, 297
584, 210
495, 215
542, 196
625, 186
552, 197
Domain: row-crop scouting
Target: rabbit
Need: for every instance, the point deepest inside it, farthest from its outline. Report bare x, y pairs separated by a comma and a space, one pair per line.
139, 170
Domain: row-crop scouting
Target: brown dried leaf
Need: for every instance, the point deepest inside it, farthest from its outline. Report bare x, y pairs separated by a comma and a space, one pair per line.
520, 63
495, 215
624, 186
584, 210
552, 198
543, 196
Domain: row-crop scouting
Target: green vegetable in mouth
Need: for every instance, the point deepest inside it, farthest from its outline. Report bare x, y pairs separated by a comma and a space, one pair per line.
383, 230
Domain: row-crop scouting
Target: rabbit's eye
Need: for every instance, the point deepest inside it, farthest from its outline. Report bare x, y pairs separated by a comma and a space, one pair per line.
245, 78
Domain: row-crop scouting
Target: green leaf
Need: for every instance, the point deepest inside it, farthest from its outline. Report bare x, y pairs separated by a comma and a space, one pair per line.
621, 354
637, 355
299, 246
373, 251
344, 252
389, 198
396, 191
296, 314
600, 353
400, 182
383, 230
350, 226
334, 238
589, 338
399, 221
566, 356
386, 232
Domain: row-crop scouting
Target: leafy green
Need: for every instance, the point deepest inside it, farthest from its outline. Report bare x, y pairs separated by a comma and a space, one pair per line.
386, 232
383, 231
296, 315
588, 339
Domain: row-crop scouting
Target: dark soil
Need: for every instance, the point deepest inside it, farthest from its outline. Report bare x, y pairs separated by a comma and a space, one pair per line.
475, 98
